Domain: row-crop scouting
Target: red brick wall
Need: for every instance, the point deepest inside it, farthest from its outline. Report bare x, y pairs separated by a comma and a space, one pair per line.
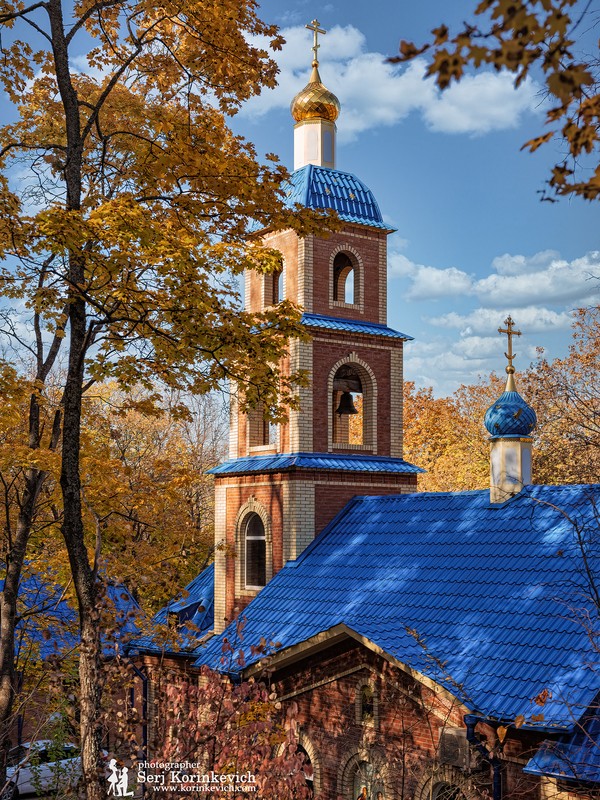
322, 276
325, 355
403, 739
271, 497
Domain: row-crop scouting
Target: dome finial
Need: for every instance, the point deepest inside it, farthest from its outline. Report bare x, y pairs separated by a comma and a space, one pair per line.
510, 370
314, 27
315, 110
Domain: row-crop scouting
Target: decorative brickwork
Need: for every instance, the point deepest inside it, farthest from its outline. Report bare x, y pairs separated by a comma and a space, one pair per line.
300, 420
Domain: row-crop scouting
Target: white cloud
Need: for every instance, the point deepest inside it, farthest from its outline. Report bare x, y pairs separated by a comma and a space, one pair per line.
375, 93
517, 265
481, 103
477, 347
429, 283
538, 291
534, 319
438, 364
544, 279
443, 362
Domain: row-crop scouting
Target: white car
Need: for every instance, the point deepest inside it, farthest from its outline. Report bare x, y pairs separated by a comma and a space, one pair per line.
41, 767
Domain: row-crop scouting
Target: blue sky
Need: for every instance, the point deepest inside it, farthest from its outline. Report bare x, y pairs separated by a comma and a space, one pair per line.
473, 240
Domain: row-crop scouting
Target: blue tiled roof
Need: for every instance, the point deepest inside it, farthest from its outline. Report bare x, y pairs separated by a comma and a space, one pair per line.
285, 461
431, 579
577, 758
194, 608
510, 415
49, 625
352, 326
322, 187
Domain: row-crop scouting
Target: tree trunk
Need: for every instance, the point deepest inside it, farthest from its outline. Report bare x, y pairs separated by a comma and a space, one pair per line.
8, 612
84, 578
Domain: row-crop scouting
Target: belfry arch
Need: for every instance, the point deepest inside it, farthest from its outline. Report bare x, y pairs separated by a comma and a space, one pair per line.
354, 376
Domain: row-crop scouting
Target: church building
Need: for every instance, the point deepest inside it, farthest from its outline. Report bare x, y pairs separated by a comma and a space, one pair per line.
438, 646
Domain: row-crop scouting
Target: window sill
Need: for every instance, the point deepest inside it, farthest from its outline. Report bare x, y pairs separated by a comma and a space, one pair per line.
358, 447
263, 449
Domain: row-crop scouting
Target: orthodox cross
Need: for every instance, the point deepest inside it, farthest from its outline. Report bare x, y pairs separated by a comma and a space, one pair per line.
510, 333
314, 27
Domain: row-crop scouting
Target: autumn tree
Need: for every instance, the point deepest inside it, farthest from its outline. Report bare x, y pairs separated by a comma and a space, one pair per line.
144, 483
30, 423
125, 208
235, 729
446, 436
566, 396
534, 37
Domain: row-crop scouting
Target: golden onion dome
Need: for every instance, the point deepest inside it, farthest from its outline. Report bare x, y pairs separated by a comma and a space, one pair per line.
315, 101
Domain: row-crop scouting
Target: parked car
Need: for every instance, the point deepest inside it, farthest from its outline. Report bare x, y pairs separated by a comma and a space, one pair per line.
41, 767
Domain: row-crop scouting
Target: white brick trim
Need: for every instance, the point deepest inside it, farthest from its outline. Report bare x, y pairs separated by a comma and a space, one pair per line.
220, 558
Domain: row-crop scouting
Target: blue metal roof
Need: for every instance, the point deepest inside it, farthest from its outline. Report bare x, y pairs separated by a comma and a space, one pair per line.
577, 758
49, 625
449, 579
287, 461
352, 326
193, 610
322, 187
510, 415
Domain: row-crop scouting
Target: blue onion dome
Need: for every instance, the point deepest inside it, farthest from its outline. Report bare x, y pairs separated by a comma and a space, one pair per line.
510, 415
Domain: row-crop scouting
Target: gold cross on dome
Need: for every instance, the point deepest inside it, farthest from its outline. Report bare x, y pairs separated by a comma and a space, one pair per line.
314, 27
510, 333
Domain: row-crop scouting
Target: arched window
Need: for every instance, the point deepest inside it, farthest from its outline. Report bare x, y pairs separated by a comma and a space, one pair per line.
446, 791
352, 388
367, 782
273, 286
367, 712
278, 286
261, 432
345, 279
309, 774
255, 552
367, 704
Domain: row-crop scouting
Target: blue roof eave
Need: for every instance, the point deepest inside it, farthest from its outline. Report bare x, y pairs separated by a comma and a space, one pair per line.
321, 321
278, 462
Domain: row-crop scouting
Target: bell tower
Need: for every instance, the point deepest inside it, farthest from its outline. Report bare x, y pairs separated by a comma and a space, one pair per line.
283, 484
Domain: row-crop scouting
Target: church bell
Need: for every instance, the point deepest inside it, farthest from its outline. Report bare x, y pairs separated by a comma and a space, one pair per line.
346, 405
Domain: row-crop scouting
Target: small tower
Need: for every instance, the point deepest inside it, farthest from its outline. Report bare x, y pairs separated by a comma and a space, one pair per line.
283, 484
509, 421
315, 110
